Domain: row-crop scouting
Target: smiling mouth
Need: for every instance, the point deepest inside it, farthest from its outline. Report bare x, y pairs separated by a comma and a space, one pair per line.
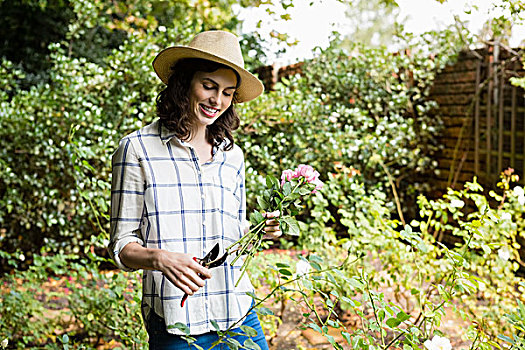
210, 112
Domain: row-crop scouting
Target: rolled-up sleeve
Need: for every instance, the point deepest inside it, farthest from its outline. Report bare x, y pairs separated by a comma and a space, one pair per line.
127, 200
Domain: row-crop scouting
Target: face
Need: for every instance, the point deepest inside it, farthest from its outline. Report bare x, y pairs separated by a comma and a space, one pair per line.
211, 94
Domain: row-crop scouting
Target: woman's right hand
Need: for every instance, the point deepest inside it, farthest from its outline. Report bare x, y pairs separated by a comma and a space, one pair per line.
184, 272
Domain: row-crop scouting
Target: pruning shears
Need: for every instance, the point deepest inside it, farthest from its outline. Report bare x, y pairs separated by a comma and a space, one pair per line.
209, 261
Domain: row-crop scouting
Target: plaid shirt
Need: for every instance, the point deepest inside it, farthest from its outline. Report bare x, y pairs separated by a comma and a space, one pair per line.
161, 197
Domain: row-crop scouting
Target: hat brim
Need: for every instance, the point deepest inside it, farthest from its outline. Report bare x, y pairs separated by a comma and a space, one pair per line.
250, 86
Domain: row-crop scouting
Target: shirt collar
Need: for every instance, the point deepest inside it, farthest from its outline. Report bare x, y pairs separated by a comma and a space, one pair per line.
166, 135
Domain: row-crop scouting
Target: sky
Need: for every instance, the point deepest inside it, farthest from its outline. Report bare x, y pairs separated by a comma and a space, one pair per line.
313, 24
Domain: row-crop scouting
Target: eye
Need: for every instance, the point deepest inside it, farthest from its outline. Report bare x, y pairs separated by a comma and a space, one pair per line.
228, 94
207, 86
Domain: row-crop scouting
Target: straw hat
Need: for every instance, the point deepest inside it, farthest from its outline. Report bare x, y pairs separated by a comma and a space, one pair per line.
217, 46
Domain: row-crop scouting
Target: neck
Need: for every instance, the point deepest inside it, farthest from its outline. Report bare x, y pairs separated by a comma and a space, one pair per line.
199, 137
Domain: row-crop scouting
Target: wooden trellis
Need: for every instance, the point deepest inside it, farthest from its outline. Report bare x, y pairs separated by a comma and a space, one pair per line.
499, 121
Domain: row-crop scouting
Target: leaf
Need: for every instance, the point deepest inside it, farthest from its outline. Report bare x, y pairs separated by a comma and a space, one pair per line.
285, 272
256, 217
393, 322
315, 265
250, 332
287, 188
303, 191
281, 265
180, 326
381, 315
346, 336
292, 227
355, 283
232, 343
272, 182
264, 311
316, 258
315, 327
215, 325
263, 203
402, 316
250, 344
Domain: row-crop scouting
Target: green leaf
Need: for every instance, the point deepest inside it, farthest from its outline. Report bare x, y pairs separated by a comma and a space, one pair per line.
281, 265
346, 336
285, 272
381, 315
232, 343
215, 325
180, 326
250, 332
316, 258
402, 316
250, 344
356, 284
272, 182
303, 191
393, 322
315, 327
287, 188
256, 218
263, 203
264, 311
292, 227
315, 265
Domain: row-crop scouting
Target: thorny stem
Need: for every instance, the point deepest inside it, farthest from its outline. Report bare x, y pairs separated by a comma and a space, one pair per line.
394, 191
474, 342
275, 289
375, 313
254, 236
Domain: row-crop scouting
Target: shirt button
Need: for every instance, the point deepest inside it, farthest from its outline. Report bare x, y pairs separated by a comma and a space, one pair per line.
203, 196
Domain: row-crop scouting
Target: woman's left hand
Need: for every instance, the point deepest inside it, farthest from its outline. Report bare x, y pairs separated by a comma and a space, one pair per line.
271, 228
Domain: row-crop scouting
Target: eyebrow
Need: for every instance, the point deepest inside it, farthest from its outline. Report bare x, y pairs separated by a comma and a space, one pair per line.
214, 82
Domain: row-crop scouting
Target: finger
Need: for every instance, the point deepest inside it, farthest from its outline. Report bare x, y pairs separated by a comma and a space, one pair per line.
273, 214
273, 234
187, 285
272, 222
179, 284
199, 269
192, 282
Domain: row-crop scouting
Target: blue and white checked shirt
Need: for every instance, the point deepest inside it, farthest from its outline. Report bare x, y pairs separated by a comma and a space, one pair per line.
161, 197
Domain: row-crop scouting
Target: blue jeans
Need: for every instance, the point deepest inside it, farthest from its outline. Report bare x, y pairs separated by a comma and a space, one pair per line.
160, 339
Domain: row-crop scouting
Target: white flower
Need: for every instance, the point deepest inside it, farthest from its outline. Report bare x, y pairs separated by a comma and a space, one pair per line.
457, 203
520, 193
505, 216
302, 268
438, 343
504, 254
162, 29
4, 343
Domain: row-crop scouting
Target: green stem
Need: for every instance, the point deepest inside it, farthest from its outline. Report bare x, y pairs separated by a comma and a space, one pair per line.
275, 289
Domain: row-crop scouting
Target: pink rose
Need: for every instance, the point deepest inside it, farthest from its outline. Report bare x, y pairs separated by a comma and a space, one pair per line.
309, 173
287, 175
318, 185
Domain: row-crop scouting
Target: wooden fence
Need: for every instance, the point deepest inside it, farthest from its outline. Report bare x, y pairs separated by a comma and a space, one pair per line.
483, 116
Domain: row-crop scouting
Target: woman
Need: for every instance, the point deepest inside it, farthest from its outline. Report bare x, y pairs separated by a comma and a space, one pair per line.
178, 189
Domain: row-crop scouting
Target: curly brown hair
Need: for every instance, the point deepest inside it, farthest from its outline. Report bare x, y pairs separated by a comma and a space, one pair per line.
173, 104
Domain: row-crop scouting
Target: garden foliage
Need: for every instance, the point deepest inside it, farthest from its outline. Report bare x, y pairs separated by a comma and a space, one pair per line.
360, 116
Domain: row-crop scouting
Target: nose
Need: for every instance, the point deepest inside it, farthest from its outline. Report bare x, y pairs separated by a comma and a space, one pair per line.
215, 99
